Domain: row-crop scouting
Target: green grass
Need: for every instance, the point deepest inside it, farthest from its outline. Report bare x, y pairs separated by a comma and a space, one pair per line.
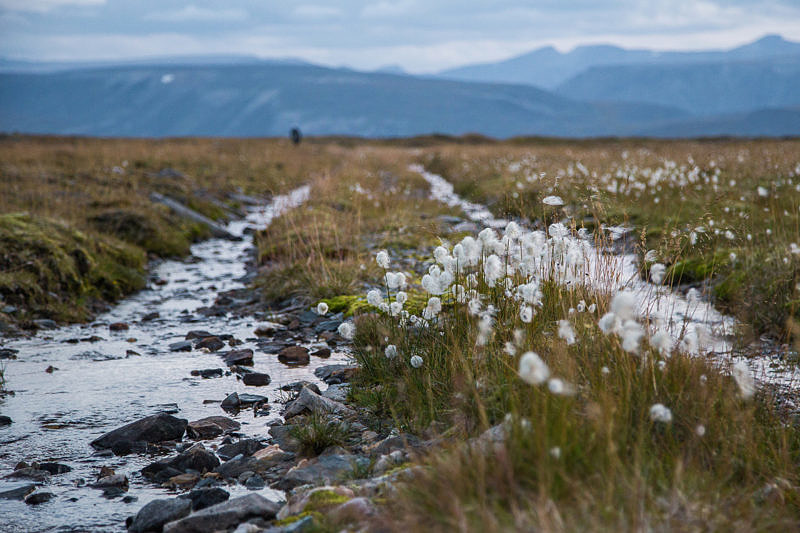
317, 432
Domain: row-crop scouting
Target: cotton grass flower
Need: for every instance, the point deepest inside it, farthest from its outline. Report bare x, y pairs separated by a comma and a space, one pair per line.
526, 314
395, 280
559, 387
347, 330
374, 297
660, 413
322, 308
432, 309
662, 341
553, 200
391, 351
416, 361
532, 369
566, 332
657, 272
382, 258
744, 379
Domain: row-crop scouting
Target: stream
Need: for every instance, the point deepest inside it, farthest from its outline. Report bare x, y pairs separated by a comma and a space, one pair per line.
119, 377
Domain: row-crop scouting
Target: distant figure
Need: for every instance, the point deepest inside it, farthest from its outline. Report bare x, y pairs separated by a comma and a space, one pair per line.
296, 136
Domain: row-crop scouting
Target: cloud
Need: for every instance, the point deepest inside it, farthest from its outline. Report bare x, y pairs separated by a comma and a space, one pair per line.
385, 9
192, 13
43, 6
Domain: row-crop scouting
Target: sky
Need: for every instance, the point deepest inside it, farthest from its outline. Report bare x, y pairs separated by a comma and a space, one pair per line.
421, 36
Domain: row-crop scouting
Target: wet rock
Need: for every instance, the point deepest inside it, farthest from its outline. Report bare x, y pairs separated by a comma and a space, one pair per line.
327, 325
55, 468
323, 353
181, 346
225, 515
256, 379
239, 357
388, 445
211, 426
245, 448
155, 514
15, 490
198, 334
231, 401
211, 344
182, 481
93, 338
237, 466
36, 498
28, 472
355, 511
195, 459
8, 353
236, 401
297, 386
151, 316
274, 346
151, 429
206, 497
299, 500
45, 323
208, 373
114, 481
332, 374
118, 326
310, 401
255, 482
50, 369
282, 434
294, 355
5, 420
267, 329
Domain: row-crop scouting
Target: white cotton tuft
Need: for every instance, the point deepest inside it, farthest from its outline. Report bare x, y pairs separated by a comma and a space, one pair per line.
660, 413
662, 341
532, 369
382, 258
657, 272
624, 305
347, 330
566, 332
631, 334
390, 351
744, 379
416, 361
553, 200
322, 308
433, 308
526, 314
374, 298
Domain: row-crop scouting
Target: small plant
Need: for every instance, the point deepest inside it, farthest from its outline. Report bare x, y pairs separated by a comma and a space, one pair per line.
317, 432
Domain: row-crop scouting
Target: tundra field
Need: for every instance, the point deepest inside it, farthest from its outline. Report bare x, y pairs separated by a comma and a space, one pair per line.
548, 386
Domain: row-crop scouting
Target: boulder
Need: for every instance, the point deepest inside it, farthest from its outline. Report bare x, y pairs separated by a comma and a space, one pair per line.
15, 490
294, 355
27, 472
196, 459
310, 401
256, 379
113, 481
207, 496
225, 515
155, 514
181, 346
207, 373
35, 498
198, 334
211, 426
325, 469
211, 344
245, 447
5, 420
151, 429
239, 357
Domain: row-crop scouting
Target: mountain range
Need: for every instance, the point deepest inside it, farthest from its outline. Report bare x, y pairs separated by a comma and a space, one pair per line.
591, 91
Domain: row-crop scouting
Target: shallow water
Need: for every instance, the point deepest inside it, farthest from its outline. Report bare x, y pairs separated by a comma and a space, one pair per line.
99, 386
662, 306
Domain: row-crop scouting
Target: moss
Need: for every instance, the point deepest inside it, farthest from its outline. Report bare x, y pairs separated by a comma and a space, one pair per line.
696, 269
294, 518
349, 304
322, 499
51, 270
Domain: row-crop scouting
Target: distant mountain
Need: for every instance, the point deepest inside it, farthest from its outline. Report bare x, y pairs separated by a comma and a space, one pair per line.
761, 123
11, 65
700, 88
269, 99
549, 68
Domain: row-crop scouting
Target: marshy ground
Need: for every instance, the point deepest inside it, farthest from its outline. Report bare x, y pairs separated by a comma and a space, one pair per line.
501, 379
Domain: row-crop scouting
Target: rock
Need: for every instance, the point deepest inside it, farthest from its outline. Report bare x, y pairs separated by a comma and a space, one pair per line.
297, 386
113, 481
283, 436
151, 316
231, 401
324, 496
267, 329
15, 490
211, 344
294, 355
27, 472
206, 497
237, 466
181, 346
45, 323
55, 468
50, 369
182, 481
5, 420
331, 374
249, 399
245, 447
355, 511
324, 353
198, 334
310, 401
327, 325
36, 498
393, 443
337, 392
8, 353
256, 379
225, 515
197, 459
155, 428
255, 482
118, 326
155, 514
208, 373
325, 468
211, 426
239, 357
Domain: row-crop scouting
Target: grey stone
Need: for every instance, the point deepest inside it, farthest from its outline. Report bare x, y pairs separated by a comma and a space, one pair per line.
155, 514
28, 472
294, 355
225, 515
196, 459
238, 357
36, 498
337, 392
310, 401
181, 346
15, 490
211, 426
256, 379
245, 447
207, 496
155, 428
324, 469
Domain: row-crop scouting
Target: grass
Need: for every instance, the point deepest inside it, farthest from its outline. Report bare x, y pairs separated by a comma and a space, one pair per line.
317, 432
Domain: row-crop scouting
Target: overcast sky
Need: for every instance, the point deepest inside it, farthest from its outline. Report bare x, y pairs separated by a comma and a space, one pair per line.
419, 35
